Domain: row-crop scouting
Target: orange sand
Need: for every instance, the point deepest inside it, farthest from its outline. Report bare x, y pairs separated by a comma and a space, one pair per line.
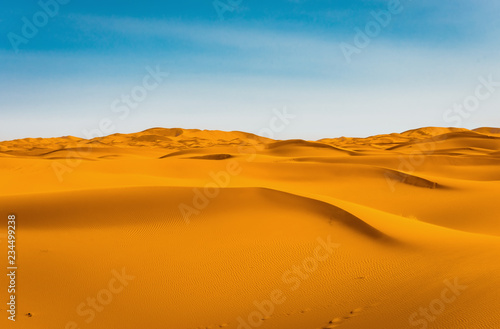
226, 229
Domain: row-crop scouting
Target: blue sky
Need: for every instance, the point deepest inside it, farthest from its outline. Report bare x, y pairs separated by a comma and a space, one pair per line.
229, 69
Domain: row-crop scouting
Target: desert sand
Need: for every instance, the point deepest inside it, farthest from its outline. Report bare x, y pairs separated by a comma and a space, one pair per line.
185, 229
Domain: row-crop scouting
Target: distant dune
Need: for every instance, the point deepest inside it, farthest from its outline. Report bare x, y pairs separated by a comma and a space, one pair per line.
232, 230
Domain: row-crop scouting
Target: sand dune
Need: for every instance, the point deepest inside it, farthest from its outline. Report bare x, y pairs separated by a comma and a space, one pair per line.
179, 228
488, 131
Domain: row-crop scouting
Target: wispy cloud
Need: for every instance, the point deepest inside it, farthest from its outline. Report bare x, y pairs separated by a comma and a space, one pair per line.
240, 69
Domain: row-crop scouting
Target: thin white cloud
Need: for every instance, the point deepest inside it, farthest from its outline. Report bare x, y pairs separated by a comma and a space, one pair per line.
392, 85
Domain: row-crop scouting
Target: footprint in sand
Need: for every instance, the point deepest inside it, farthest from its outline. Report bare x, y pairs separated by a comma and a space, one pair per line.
333, 323
339, 320
355, 312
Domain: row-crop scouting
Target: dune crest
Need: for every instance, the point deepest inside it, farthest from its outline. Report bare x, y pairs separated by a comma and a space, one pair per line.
212, 226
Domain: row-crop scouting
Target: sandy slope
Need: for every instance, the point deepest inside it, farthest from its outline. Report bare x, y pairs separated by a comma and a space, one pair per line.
172, 228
